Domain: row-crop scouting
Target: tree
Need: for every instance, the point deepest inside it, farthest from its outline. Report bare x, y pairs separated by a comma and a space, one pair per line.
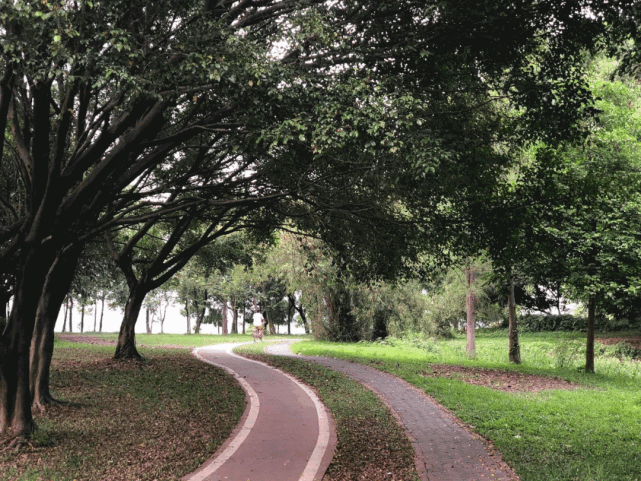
99, 102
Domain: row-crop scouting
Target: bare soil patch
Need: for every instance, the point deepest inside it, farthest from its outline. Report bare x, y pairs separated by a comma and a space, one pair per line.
509, 381
97, 341
634, 341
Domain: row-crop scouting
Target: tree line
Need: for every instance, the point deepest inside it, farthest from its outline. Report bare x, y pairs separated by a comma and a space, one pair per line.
385, 129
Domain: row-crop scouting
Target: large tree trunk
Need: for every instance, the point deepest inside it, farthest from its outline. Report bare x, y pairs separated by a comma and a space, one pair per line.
515, 347
53, 296
470, 304
589, 348
126, 347
270, 322
224, 313
15, 343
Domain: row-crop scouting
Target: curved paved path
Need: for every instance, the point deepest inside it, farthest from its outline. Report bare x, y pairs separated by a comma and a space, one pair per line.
444, 449
285, 433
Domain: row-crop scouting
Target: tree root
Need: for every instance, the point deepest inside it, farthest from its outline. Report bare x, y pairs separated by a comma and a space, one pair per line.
45, 402
13, 443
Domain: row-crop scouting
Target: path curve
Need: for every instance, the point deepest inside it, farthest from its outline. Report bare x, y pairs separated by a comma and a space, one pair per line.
286, 433
445, 451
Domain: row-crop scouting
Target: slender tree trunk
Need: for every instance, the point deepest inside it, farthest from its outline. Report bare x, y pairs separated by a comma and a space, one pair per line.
187, 316
515, 347
147, 324
244, 318
64, 321
70, 314
470, 302
291, 302
589, 349
301, 312
224, 313
234, 322
102, 309
126, 347
53, 296
162, 319
82, 318
95, 315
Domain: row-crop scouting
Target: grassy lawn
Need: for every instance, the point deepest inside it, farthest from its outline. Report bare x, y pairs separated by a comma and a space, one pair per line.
181, 340
370, 444
590, 433
155, 420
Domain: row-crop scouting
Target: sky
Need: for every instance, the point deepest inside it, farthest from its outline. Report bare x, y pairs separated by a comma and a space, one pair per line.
175, 322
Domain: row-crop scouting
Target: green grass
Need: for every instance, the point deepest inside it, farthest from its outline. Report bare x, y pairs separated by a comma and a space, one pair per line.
183, 340
369, 441
589, 434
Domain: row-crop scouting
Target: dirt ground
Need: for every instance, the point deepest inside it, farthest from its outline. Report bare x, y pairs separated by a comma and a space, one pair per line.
634, 341
510, 381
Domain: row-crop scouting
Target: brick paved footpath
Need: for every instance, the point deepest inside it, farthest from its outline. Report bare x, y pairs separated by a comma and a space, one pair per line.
285, 433
444, 449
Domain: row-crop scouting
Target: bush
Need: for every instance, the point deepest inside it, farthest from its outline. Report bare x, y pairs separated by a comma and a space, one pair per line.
569, 322
563, 322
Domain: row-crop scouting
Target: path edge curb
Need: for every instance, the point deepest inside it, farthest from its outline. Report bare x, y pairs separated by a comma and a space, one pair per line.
328, 445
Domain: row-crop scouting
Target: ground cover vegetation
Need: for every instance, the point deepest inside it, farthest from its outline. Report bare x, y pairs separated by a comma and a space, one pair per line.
370, 443
376, 127
155, 420
547, 416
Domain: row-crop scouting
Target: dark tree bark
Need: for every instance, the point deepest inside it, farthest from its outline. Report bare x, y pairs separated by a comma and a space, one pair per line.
301, 312
244, 318
70, 314
589, 348
291, 304
514, 346
126, 347
15, 393
82, 318
234, 318
53, 296
102, 309
470, 304
95, 315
